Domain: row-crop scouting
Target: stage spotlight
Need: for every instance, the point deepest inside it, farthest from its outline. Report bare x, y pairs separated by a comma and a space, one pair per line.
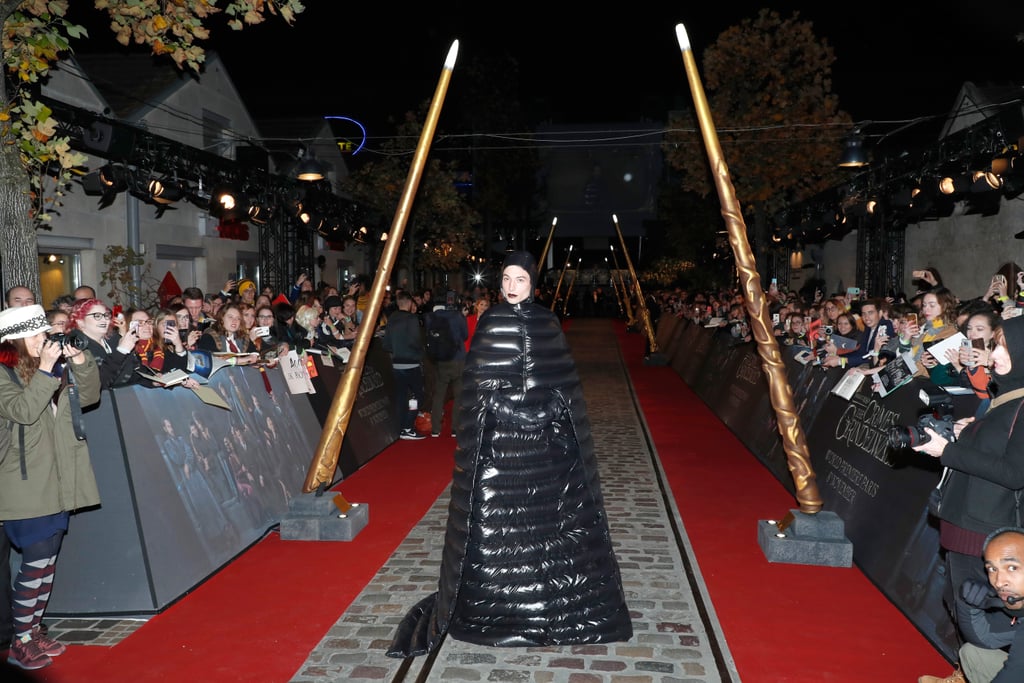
853, 155
259, 214
114, 178
955, 184
165, 191
984, 181
309, 169
228, 203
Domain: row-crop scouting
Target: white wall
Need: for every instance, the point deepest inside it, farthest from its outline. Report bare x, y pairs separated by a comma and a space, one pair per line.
966, 250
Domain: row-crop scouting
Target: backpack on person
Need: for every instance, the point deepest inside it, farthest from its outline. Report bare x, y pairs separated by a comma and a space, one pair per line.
441, 344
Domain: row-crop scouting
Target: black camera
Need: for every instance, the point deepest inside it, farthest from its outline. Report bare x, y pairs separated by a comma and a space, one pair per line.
940, 420
914, 435
70, 339
827, 330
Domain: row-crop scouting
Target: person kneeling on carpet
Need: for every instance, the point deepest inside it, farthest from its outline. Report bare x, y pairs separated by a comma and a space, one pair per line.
1000, 604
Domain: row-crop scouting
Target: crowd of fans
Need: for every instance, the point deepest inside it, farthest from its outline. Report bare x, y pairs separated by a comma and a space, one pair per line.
851, 330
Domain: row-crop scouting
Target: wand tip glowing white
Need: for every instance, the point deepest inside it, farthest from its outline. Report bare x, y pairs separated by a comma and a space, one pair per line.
684, 40
615, 218
554, 221
449, 62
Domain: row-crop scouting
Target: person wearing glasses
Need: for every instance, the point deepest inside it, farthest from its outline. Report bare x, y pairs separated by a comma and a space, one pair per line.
114, 351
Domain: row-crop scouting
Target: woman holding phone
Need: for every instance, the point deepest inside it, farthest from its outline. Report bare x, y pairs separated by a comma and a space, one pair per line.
972, 359
164, 351
938, 307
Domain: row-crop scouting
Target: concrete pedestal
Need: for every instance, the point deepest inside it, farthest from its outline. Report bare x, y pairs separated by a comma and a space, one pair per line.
317, 518
810, 539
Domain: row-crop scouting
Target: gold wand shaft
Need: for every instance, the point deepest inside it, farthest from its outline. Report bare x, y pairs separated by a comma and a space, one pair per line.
630, 322
793, 440
547, 245
641, 304
321, 470
558, 287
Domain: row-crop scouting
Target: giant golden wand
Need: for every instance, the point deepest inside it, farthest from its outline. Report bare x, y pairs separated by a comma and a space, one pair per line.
653, 355
568, 291
321, 470
561, 276
547, 245
757, 306
630, 322
615, 285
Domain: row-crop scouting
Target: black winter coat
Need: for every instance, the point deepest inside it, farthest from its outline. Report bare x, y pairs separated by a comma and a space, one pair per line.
527, 559
987, 471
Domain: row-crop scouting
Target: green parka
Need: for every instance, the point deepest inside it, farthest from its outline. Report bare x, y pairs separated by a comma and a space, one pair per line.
59, 472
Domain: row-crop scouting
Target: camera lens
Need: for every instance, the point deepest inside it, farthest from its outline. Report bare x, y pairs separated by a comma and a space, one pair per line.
907, 437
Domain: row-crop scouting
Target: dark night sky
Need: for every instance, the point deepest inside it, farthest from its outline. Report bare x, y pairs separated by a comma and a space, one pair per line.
591, 64
600, 64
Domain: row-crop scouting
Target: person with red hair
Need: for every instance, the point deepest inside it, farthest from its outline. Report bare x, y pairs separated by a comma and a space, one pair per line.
114, 352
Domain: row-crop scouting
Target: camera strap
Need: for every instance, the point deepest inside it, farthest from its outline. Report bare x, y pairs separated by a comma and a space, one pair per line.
74, 403
1003, 398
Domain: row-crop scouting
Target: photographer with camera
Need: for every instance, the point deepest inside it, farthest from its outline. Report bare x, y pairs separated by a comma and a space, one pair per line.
983, 478
46, 473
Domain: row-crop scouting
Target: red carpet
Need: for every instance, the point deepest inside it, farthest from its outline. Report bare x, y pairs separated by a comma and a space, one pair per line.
259, 618
783, 623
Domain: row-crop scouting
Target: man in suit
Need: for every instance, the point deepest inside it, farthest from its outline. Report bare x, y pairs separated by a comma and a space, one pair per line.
874, 324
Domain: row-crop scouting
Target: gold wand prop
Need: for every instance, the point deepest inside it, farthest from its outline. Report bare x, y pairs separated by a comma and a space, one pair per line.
547, 245
615, 285
321, 470
653, 355
558, 287
630, 322
793, 440
568, 290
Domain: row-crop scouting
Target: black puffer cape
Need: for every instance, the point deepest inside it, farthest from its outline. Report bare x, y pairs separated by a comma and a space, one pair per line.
527, 558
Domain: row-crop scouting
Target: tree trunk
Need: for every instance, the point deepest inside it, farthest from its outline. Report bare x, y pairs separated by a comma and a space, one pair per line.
19, 261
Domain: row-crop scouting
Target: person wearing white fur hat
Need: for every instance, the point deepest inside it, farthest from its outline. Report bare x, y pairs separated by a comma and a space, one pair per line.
45, 473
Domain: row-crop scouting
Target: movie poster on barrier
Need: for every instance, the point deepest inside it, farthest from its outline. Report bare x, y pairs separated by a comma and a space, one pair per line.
371, 426
743, 402
211, 482
810, 385
863, 479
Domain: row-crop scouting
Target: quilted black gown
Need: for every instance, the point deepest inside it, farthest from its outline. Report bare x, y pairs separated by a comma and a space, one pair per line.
527, 559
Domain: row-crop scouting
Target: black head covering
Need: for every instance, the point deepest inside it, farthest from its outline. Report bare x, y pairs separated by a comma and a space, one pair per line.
1013, 330
524, 260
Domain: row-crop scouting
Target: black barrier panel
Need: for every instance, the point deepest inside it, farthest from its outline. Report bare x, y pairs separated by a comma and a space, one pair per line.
691, 351
669, 327
371, 426
742, 401
197, 484
882, 494
719, 367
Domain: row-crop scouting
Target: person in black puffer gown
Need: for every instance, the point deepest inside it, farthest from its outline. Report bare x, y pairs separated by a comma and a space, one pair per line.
528, 558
